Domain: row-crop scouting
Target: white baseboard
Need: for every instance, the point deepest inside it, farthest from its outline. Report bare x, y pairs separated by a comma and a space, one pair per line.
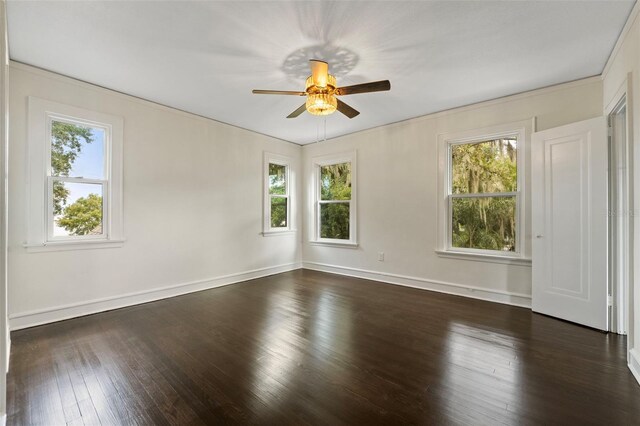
59, 313
3, 420
499, 296
634, 363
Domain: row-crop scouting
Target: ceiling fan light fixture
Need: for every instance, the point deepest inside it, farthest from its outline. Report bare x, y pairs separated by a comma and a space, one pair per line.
321, 99
321, 104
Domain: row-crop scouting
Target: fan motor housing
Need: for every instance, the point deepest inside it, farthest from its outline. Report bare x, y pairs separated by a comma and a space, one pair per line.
311, 88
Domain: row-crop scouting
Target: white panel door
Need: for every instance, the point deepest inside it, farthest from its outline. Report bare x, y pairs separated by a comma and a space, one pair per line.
569, 222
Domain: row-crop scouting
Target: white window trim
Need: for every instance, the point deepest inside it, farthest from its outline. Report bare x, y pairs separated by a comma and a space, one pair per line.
522, 130
39, 182
267, 230
327, 160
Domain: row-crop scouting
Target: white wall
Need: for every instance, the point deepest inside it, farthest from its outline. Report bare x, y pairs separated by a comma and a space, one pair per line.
192, 208
624, 60
397, 202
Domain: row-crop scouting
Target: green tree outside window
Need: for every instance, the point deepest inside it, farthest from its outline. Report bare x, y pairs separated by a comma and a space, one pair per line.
278, 194
335, 186
484, 221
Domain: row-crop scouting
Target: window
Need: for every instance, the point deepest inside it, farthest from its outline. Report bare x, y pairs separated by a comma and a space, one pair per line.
335, 200
77, 178
482, 195
277, 197
75, 173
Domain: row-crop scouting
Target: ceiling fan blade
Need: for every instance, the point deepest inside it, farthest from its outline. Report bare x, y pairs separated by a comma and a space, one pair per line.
277, 92
297, 112
346, 109
319, 72
374, 86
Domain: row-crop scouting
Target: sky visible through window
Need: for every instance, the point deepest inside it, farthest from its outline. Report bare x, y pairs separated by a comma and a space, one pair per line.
90, 162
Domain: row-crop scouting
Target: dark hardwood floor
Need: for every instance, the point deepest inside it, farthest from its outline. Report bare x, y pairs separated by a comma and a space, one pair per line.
306, 347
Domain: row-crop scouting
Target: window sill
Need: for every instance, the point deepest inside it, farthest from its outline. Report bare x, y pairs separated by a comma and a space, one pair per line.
481, 257
73, 245
346, 244
276, 233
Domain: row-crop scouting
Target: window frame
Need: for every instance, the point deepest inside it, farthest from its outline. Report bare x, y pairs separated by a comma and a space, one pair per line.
40, 227
521, 131
51, 117
328, 160
281, 160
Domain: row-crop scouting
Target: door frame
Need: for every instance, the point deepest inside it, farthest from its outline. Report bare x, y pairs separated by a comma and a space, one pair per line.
621, 296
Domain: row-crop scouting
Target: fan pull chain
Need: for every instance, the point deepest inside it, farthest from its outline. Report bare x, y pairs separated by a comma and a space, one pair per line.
318, 131
325, 128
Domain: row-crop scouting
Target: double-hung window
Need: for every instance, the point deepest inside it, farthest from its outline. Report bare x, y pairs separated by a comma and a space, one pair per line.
277, 196
482, 204
335, 208
483, 194
75, 177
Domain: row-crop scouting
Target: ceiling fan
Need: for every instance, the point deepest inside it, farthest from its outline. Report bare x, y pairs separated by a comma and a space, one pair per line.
321, 91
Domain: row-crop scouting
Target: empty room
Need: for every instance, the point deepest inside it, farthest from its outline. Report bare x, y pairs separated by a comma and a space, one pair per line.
319, 212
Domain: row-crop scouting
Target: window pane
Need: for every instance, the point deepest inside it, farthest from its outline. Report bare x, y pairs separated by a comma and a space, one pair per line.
277, 179
335, 182
77, 151
334, 221
484, 223
278, 212
481, 167
77, 209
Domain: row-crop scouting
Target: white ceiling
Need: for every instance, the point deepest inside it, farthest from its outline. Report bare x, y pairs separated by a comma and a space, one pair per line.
205, 57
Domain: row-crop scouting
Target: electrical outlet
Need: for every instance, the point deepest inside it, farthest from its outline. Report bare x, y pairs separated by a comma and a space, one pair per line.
381, 256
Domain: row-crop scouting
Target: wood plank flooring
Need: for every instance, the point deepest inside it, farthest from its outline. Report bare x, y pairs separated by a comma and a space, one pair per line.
307, 347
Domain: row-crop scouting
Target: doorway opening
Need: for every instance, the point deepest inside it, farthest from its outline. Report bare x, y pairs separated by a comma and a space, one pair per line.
620, 223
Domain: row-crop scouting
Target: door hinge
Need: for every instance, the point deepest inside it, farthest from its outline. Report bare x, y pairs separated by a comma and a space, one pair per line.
609, 300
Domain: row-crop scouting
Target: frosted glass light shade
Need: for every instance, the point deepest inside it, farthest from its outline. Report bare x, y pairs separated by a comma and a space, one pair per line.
321, 104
